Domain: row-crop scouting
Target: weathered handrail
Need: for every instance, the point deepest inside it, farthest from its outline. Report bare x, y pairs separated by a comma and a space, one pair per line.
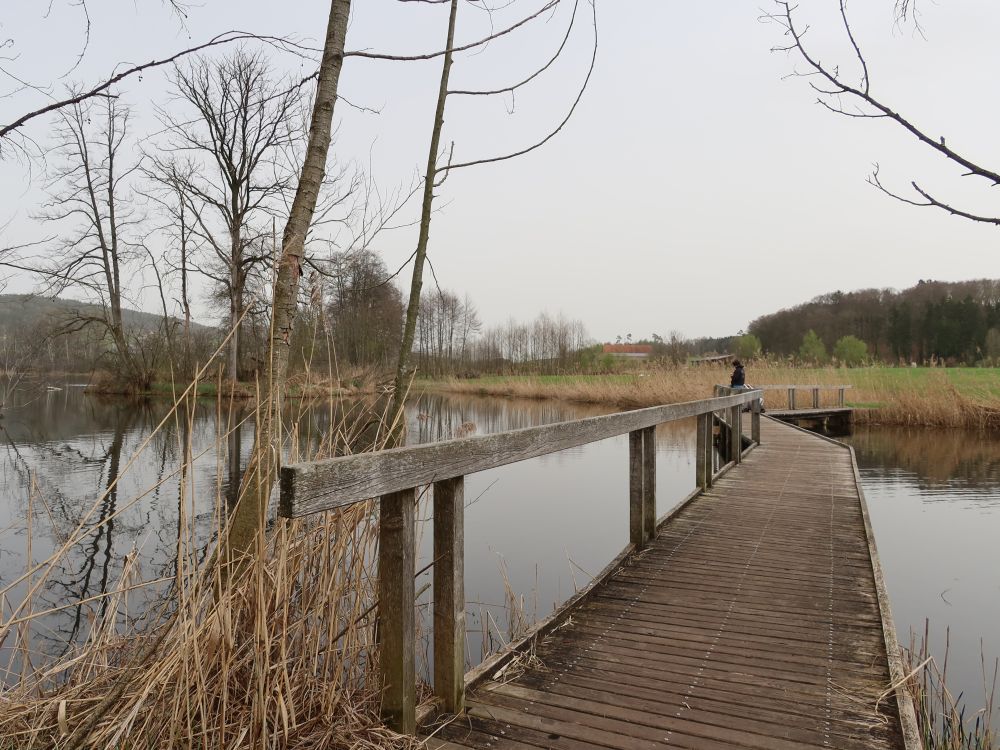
793, 390
315, 486
394, 476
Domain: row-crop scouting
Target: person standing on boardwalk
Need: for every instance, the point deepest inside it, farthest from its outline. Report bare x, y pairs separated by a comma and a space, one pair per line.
738, 378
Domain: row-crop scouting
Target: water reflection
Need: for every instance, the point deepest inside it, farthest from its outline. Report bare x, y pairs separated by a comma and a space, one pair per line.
70, 459
934, 499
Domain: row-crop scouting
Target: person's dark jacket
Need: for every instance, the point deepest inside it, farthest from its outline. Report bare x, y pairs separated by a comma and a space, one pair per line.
738, 378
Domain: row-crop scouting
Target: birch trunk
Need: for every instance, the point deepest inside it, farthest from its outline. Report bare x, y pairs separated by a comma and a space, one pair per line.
413, 306
262, 470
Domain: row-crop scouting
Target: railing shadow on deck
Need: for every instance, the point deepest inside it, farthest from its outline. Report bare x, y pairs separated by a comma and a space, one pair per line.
395, 475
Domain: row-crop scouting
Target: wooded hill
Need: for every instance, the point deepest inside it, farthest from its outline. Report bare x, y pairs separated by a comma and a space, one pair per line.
957, 322
51, 334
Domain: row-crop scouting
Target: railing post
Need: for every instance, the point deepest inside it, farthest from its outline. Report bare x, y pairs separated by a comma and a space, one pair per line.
710, 449
791, 399
642, 485
815, 398
649, 482
702, 451
449, 593
755, 421
736, 439
840, 397
396, 569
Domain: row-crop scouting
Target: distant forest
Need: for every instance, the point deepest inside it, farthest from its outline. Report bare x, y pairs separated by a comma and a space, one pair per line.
949, 322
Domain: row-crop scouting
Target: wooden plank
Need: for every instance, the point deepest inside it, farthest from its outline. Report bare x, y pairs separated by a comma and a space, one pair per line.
396, 569
324, 485
449, 593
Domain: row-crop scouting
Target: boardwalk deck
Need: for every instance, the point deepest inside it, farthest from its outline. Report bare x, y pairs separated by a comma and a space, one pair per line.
751, 621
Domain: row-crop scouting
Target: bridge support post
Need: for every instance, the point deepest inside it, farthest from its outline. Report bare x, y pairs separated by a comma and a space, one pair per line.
735, 434
755, 421
840, 397
396, 569
449, 593
815, 398
649, 481
642, 485
791, 399
703, 452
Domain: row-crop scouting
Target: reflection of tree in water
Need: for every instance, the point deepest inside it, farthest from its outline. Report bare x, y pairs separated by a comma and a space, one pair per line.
935, 456
97, 553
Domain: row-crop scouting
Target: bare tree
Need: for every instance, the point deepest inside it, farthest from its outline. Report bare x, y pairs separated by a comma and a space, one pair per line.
245, 124
435, 175
263, 466
852, 96
183, 243
89, 193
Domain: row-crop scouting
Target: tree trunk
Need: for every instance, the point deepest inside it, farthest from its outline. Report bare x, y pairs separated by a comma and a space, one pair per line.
262, 469
235, 306
413, 306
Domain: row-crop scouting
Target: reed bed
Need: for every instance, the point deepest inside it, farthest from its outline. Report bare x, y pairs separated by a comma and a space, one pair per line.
272, 653
944, 721
881, 395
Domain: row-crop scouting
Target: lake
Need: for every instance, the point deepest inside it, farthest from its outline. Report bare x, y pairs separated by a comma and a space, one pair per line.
536, 531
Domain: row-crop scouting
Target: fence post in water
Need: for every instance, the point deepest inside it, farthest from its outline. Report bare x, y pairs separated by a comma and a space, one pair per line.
702, 451
736, 439
815, 398
449, 593
649, 482
755, 421
636, 495
840, 397
396, 561
791, 399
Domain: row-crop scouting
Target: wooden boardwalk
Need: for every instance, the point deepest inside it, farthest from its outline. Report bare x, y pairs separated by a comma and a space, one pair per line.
752, 620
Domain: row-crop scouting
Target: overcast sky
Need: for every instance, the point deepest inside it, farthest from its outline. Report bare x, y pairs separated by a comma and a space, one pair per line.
695, 188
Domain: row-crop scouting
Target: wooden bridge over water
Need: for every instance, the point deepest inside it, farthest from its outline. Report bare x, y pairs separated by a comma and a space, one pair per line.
752, 615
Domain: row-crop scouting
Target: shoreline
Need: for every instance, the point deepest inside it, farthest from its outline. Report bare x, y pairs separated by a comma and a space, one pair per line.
961, 398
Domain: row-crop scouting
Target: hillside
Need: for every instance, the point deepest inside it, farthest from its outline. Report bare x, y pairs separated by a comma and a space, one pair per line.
27, 323
25, 311
955, 322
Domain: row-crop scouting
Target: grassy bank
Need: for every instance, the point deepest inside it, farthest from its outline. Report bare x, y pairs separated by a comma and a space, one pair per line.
956, 397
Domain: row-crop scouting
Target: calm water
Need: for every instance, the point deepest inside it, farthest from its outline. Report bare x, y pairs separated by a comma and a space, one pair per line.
934, 500
548, 524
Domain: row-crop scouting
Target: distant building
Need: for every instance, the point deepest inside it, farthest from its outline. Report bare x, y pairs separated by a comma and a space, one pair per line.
629, 351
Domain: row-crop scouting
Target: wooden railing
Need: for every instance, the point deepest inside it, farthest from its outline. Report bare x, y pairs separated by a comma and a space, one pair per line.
395, 475
792, 390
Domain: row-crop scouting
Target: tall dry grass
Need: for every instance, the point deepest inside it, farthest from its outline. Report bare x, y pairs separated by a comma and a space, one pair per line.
880, 395
271, 653
944, 721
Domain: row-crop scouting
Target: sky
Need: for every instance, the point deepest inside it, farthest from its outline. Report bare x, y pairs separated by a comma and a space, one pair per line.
697, 186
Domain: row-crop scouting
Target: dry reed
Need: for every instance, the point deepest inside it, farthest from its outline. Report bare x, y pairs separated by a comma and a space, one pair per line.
273, 653
880, 395
944, 721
